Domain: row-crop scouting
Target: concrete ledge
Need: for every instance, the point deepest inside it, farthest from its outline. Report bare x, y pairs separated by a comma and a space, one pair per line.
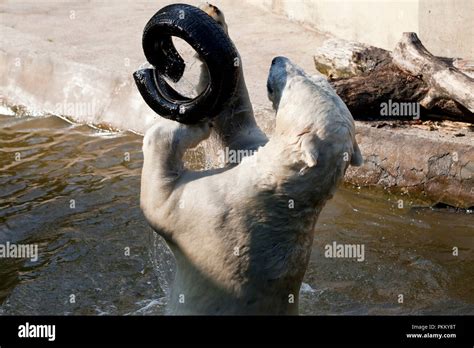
436, 166
44, 82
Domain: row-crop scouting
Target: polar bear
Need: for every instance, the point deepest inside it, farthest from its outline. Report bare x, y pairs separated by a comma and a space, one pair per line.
242, 234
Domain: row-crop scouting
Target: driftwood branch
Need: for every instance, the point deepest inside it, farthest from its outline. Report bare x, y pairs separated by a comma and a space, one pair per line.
366, 77
444, 81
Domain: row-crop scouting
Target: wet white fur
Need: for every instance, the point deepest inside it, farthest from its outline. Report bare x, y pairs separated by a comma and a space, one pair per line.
240, 248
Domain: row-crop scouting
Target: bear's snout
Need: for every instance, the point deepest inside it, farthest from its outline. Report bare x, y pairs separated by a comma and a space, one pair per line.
277, 77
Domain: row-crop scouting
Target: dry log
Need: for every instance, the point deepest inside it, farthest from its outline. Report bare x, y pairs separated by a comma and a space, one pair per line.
343, 59
444, 80
464, 65
367, 77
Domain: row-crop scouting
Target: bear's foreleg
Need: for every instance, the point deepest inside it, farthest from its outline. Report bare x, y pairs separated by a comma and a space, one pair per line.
164, 145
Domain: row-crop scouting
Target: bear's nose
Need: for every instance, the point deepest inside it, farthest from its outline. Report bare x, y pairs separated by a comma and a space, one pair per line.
277, 60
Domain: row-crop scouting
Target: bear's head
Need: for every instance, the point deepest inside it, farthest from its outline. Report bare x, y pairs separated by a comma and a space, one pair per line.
311, 116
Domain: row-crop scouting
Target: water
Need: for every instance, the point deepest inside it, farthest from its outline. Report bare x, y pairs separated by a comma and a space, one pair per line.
84, 243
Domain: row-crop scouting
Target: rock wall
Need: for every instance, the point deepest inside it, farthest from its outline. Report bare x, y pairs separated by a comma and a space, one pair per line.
432, 165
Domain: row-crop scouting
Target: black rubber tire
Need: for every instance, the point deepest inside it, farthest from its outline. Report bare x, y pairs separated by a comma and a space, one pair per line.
213, 45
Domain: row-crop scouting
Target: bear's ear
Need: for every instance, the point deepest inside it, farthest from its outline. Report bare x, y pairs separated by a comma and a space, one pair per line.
309, 151
356, 159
